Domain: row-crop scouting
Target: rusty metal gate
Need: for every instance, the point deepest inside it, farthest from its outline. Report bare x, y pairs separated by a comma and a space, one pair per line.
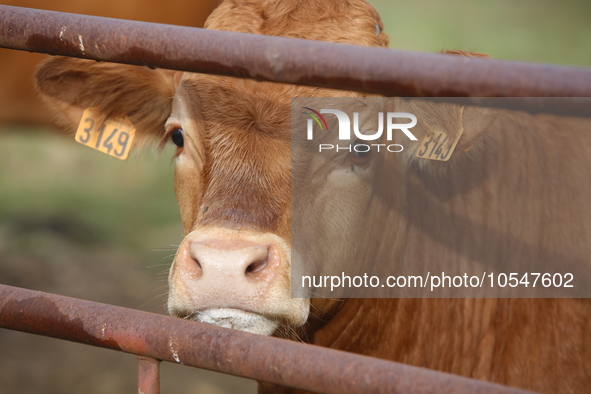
156, 337
390, 72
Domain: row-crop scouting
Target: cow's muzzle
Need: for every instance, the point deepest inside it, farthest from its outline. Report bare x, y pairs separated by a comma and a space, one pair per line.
234, 278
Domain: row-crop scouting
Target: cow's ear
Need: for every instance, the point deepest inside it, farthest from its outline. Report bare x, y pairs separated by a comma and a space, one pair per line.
441, 125
476, 120
69, 86
466, 124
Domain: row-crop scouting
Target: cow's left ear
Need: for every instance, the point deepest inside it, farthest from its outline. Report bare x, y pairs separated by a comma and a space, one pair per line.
69, 86
444, 130
475, 120
439, 121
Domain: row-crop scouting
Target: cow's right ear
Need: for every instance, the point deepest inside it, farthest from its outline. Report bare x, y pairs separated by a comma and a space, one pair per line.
69, 86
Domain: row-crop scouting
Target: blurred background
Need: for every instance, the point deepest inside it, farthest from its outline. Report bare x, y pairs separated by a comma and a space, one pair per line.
79, 223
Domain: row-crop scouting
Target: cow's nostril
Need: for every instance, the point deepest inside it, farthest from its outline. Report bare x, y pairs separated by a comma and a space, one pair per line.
256, 266
227, 258
197, 262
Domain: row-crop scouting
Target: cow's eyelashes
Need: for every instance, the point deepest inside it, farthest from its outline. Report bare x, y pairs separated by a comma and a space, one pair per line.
177, 137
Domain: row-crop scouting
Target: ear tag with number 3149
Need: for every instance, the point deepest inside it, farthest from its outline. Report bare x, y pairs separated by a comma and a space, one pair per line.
114, 137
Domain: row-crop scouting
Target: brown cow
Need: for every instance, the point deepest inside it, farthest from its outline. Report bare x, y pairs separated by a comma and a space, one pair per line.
232, 182
19, 102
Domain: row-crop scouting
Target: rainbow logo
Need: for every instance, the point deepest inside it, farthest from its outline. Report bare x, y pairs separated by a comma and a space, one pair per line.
317, 117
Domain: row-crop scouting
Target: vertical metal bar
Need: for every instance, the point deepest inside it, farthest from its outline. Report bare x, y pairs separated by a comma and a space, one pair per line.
148, 380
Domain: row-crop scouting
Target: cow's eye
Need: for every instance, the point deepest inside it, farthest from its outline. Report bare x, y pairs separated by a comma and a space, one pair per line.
177, 137
360, 153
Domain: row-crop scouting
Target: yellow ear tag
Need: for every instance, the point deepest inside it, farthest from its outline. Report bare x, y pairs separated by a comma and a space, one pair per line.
114, 137
439, 145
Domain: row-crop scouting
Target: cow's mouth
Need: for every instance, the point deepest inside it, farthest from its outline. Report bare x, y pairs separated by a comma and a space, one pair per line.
236, 319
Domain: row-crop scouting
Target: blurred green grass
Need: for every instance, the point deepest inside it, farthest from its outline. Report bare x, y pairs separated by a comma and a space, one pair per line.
545, 31
45, 177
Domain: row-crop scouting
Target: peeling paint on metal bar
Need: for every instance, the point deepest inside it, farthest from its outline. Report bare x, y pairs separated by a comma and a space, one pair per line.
258, 357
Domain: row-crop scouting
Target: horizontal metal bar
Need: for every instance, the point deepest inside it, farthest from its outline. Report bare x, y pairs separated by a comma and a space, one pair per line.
372, 70
274, 360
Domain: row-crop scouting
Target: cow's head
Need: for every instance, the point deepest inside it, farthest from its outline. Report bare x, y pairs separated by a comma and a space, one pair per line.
232, 164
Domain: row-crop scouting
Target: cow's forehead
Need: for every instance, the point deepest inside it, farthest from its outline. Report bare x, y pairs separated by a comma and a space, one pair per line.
237, 103
243, 98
